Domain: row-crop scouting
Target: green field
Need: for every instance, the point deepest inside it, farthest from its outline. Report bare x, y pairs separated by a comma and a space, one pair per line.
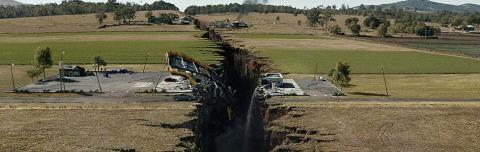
91, 33
431, 86
113, 51
466, 49
401, 62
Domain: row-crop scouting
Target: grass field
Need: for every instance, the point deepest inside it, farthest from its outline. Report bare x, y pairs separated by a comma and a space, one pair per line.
115, 48
431, 86
402, 62
411, 86
450, 43
302, 53
93, 127
461, 49
377, 126
80, 23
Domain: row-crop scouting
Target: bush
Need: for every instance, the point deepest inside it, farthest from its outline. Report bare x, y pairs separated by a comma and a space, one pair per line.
355, 28
383, 30
335, 30
427, 31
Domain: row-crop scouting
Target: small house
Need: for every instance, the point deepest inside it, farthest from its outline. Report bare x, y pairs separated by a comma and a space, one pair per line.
73, 71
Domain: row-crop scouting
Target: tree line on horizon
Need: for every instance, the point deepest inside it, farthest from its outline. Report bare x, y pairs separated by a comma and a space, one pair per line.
73, 7
241, 8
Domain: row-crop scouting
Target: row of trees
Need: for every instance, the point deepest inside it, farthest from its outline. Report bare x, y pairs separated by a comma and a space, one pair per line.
71, 7
405, 22
240, 8
320, 16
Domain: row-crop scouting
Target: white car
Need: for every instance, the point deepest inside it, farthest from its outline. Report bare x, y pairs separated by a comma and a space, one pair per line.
174, 84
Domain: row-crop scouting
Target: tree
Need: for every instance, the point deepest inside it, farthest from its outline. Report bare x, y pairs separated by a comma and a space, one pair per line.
383, 30
313, 16
372, 22
335, 30
118, 16
33, 73
327, 17
277, 19
111, 5
427, 31
98, 62
149, 14
72, 7
124, 14
101, 17
351, 21
129, 14
340, 75
43, 59
355, 28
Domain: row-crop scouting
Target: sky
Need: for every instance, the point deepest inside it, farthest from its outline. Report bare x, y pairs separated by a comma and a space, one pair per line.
182, 4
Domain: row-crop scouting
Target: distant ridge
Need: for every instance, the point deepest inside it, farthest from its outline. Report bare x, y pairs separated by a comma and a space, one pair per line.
10, 3
427, 5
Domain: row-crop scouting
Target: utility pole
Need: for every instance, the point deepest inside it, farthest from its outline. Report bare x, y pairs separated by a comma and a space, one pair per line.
156, 84
13, 80
62, 73
146, 58
385, 82
97, 67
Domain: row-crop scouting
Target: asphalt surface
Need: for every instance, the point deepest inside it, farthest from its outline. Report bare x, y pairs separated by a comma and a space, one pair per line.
114, 85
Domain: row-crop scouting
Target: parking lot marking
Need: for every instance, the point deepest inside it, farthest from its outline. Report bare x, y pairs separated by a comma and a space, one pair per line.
142, 84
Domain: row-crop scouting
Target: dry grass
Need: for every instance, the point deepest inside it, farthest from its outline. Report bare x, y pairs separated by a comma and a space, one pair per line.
89, 127
417, 86
100, 37
432, 86
325, 44
79, 23
264, 23
387, 126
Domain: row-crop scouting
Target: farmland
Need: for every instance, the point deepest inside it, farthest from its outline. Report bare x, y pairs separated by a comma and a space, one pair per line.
410, 86
419, 86
450, 43
379, 126
368, 121
291, 53
116, 48
400, 62
93, 127
80, 23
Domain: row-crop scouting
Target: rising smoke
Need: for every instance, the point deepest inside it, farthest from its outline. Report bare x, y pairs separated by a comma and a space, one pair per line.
254, 2
244, 10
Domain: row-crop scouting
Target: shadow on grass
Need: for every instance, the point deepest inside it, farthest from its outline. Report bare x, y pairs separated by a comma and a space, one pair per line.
368, 94
187, 142
348, 85
187, 125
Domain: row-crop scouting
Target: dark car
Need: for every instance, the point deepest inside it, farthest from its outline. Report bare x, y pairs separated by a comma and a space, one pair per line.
184, 97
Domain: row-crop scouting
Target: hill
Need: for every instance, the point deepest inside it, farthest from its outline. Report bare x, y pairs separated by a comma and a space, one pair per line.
9, 3
427, 5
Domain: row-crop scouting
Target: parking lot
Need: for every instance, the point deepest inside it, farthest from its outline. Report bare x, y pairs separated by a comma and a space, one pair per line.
114, 83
